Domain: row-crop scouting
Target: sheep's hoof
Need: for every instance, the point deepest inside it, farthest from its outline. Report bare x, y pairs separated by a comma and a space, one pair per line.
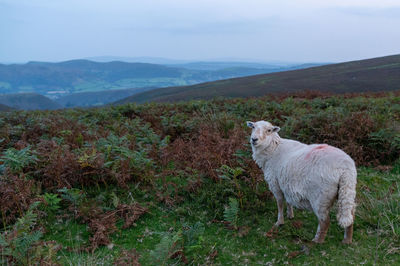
277, 224
347, 241
318, 240
290, 215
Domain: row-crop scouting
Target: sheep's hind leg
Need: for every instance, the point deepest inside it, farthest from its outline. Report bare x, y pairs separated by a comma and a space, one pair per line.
322, 230
348, 235
289, 213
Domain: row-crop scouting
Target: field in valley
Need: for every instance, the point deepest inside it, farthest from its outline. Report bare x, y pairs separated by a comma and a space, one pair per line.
174, 184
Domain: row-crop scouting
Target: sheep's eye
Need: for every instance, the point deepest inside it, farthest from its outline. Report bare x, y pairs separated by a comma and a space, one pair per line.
269, 130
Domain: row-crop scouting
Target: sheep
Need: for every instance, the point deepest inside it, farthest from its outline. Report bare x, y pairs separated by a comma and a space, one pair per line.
308, 177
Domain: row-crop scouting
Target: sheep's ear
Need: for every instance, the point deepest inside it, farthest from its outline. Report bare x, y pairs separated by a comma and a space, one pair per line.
276, 129
250, 124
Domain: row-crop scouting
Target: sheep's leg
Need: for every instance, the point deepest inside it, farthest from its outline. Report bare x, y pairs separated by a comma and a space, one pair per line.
276, 190
289, 213
281, 220
348, 233
323, 226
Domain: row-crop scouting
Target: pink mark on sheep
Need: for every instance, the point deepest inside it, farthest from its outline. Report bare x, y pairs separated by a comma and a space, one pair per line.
322, 147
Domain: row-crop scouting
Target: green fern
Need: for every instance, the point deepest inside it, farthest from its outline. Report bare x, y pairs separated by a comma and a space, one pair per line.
169, 244
231, 212
229, 173
20, 247
115, 200
17, 160
193, 236
50, 204
73, 195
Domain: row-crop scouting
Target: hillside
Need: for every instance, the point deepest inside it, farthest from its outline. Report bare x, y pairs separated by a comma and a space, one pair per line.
59, 79
28, 101
175, 184
377, 74
6, 108
96, 98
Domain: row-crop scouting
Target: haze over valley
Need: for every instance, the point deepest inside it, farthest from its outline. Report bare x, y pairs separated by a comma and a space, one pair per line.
88, 83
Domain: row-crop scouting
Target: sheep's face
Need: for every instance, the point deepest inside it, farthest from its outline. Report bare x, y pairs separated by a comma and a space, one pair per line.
262, 133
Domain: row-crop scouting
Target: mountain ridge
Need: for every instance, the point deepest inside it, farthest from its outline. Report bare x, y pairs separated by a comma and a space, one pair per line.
374, 74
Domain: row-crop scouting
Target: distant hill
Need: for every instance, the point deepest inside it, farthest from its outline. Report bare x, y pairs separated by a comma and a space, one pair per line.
268, 68
64, 78
28, 101
96, 98
141, 59
5, 108
377, 74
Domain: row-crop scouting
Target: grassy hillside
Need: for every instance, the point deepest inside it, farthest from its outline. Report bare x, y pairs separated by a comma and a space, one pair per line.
96, 98
377, 74
59, 79
5, 108
175, 184
28, 101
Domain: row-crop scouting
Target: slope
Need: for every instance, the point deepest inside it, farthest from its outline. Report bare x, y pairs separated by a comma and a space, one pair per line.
377, 74
5, 108
63, 78
28, 101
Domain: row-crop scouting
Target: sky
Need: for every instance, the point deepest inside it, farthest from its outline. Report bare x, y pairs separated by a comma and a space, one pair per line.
250, 30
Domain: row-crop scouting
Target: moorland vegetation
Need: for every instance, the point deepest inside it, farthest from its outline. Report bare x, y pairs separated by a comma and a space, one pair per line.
175, 183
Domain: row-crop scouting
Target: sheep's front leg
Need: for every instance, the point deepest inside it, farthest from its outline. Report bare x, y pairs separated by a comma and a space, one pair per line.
276, 190
279, 201
289, 213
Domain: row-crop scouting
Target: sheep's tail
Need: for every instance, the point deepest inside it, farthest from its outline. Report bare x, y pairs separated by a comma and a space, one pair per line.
346, 198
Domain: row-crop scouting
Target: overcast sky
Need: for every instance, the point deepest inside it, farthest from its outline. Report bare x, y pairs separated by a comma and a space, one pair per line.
262, 30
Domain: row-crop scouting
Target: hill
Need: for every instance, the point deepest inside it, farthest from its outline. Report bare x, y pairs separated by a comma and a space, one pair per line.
377, 74
269, 67
96, 98
5, 108
28, 101
59, 79
175, 184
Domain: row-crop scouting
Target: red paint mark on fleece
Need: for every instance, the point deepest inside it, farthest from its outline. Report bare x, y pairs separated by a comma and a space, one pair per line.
317, 148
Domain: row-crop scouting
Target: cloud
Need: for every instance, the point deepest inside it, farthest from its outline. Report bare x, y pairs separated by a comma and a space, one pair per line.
289, 29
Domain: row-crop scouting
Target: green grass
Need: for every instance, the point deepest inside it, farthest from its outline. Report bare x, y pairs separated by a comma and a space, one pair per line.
189, 165
373, 243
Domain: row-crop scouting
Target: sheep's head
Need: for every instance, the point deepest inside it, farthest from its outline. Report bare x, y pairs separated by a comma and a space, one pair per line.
263, 133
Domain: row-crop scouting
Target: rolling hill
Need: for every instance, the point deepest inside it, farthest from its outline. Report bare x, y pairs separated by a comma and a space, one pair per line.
59, 79
376, 74
28, 101
5, 108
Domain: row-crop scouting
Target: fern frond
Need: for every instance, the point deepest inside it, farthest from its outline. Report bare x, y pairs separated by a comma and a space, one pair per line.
231, 212
166, 247
193, 233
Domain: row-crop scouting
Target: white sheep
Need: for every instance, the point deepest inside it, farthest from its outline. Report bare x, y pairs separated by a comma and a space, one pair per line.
307, 176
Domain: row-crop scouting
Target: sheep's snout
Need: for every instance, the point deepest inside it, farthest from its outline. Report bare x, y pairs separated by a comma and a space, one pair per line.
254, 141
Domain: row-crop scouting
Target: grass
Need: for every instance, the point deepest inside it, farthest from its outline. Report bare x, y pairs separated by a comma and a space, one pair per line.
220, 245
174, 184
